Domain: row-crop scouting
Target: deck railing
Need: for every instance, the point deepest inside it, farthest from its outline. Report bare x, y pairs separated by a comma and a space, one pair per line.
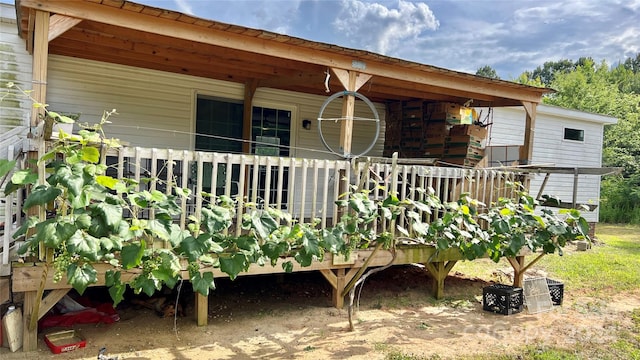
10, 208
306, 188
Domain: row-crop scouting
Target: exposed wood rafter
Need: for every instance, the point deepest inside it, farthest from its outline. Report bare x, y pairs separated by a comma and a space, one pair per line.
59, 24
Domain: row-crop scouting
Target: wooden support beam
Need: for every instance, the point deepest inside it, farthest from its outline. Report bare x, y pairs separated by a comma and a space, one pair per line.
202, 309
351, 81
338, 279
526, 150
29, 335
39, 67
439, 270
249, 91
519, 268
517, 264
59, 24
50, 300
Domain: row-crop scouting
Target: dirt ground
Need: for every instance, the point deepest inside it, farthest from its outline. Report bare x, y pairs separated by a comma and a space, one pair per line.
290, 317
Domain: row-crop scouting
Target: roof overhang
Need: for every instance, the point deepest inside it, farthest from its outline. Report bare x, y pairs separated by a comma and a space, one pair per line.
137, 35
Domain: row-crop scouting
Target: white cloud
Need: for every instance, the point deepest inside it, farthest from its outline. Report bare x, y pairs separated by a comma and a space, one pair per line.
382, 29
184, 6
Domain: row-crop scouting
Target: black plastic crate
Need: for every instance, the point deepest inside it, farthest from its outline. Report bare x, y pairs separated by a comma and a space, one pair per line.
502, 299
556, 290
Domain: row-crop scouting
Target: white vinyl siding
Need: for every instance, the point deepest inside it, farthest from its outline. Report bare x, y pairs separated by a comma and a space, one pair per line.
155, 109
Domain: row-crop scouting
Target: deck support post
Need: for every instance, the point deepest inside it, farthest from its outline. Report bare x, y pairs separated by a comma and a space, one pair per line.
29, 336
517, 264
439, 270
519, 268
202, 309
338, 278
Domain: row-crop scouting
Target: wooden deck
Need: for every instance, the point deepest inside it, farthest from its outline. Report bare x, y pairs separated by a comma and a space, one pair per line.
305, 188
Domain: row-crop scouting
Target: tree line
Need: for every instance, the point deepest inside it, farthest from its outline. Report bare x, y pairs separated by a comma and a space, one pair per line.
613, 90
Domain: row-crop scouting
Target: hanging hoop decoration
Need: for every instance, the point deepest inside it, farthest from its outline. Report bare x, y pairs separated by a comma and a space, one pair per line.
376, 119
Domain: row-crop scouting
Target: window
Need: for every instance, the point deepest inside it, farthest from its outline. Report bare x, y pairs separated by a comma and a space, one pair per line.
218, 121
218, 128
573, 134
271, 135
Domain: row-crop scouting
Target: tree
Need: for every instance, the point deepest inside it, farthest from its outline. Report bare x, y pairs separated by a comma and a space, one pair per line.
633, 64
546, 74
488, 72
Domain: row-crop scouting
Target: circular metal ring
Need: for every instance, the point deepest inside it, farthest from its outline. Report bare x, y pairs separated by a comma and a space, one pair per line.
373, 110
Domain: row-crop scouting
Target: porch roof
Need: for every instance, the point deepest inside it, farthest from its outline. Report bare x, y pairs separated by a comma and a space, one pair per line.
128, 33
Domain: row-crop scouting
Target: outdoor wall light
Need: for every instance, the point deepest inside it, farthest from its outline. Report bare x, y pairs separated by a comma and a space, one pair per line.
306, 123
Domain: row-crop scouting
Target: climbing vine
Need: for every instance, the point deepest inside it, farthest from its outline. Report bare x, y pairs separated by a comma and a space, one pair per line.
95, 218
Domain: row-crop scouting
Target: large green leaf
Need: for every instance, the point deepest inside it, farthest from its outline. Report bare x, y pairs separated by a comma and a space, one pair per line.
24, 177
46, 233
132, 254
105, 218
41, 195
333, 239
146, 283
216, 219
177, 235
248, 243
203, 282
115, 285
263, 223
6, 166
90, 154
303, 258
158, 229
234, 264
84, 244
107, 181
194, 247
168, 270
274, 249
80, 277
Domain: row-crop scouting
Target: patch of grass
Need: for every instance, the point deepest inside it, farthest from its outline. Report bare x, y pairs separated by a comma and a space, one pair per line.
607, 269
399, 355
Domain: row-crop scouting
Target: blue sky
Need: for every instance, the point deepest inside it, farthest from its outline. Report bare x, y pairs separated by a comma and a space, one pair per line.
509, 35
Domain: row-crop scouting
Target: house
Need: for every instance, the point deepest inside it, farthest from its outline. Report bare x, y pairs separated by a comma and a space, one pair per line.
564, 138
238, 111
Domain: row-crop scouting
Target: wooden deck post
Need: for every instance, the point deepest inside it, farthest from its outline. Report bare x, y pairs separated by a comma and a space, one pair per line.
29, 336
202, 309
439, 270
519, 268
338, 278
517, 264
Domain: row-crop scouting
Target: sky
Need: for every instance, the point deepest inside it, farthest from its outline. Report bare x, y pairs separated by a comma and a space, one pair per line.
509, 35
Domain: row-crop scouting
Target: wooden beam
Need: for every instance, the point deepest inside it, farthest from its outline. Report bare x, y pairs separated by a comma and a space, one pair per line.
351, 81
29, 335
202, 309
50, 301
278, 46
39, 67
526, 150
249, 91
439, 271
59, 24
